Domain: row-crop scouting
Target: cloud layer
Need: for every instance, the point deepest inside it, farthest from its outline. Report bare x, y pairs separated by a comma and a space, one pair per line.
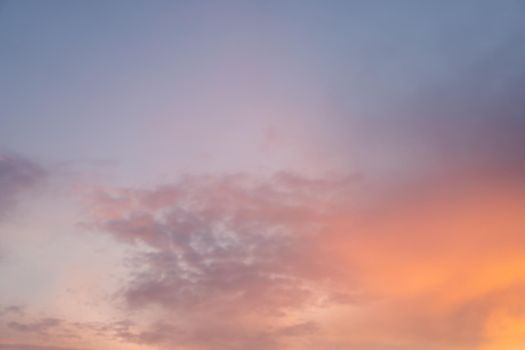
293, 263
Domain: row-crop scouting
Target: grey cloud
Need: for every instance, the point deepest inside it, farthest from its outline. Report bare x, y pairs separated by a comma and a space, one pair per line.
53, 330
299, 329
34, 347
476, 119
220, 335
12, 309
448, 100
40, 326
16, 175
210, 336
223, 249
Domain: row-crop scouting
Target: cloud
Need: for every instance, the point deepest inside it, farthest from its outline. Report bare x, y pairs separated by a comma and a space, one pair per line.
225, 252
40, 326
475, 118
452, 106
287, 262
17, 174
59, 333
33, 347
12, 309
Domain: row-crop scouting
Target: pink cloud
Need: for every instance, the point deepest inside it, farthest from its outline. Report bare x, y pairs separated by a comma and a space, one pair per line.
234, 262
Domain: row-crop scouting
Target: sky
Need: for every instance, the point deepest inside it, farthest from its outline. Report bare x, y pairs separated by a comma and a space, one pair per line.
266, 175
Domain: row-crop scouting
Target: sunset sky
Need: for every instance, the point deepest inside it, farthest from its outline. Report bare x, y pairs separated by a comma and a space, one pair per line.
262, 175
